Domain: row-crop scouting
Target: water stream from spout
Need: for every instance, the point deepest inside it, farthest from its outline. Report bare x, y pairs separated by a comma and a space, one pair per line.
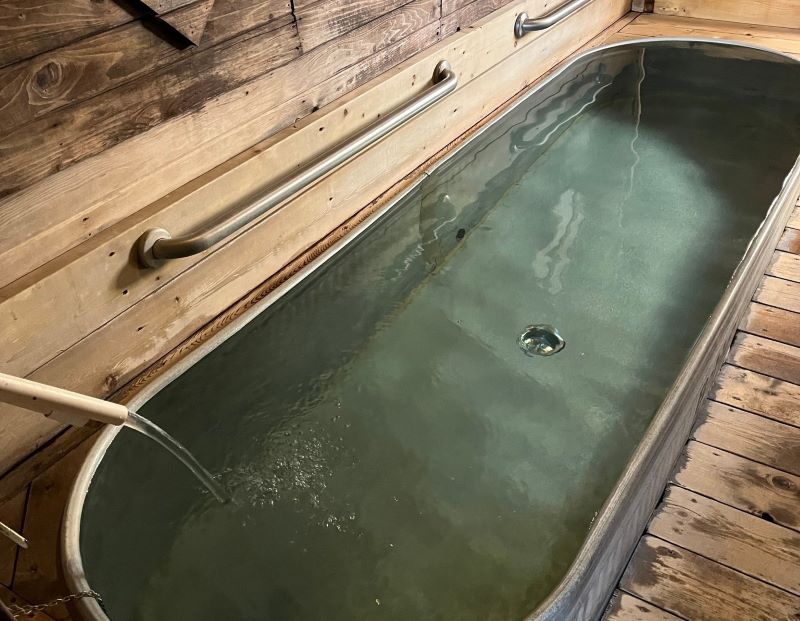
154, 432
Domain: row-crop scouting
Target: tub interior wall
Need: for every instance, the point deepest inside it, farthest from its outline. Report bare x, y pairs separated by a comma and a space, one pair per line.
392, 452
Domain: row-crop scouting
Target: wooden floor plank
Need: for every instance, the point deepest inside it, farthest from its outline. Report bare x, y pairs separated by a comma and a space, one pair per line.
11, 514
757, 393
794, 219
750, 435
766, 356
757, 489
790, 241
626, 607
736, 539
773, 323
38, 575
12, 599
785, 265
696, 588
779, 293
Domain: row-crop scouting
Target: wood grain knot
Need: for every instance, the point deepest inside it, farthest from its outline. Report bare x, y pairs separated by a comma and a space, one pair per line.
47, 78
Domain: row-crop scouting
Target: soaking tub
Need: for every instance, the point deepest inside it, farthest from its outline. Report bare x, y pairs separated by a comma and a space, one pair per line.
395, 445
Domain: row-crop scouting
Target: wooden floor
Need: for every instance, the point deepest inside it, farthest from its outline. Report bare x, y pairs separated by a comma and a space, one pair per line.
725, 542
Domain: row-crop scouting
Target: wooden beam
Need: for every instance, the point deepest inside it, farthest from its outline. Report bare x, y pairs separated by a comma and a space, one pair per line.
773, 323
748, 486
694, 587
175, 308
780, 13
757, 393
755, 437
93, 65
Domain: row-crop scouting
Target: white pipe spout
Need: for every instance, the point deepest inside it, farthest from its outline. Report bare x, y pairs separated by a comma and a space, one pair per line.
62, 405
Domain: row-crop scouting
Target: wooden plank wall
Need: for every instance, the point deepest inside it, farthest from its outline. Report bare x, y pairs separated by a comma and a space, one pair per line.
106, 128
777, 13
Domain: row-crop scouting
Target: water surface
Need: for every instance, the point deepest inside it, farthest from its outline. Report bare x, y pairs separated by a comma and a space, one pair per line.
391, 451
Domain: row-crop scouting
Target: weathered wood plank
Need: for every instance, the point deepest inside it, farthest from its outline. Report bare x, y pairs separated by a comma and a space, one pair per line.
781, 39
765, 356
626, 607
779, 293
30, 28
11, 598
696, 588
40, 460
780, 13
760, 490
164, 6
69, 207
189, 21
790, 241
93, 65
324, 20
758, 394
736, 539
38, 575
785, 265
794, 219
145, 331
773, 323
750, 435
68, 135
468, 14
12, 513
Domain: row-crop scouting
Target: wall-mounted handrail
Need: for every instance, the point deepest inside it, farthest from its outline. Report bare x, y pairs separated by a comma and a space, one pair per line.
157, 245
524, 24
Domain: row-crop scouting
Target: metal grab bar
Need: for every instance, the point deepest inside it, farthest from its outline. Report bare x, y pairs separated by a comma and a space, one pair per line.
524, 24
157, 245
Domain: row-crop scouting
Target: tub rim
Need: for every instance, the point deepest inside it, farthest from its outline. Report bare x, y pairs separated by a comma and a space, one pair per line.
552, 608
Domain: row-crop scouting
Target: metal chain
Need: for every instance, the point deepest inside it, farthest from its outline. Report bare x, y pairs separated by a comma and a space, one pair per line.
21, 611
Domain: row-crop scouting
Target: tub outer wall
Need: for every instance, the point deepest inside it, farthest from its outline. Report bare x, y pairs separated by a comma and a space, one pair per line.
585, 590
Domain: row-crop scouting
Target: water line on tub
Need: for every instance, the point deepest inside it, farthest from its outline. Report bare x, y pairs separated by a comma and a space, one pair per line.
180, 452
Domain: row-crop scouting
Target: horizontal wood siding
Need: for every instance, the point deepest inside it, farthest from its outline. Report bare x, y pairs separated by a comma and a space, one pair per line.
180, 141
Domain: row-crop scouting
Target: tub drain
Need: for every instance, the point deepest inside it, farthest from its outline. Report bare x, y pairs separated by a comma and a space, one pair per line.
541, 340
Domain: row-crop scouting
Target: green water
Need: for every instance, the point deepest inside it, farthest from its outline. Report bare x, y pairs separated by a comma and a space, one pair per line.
391, 451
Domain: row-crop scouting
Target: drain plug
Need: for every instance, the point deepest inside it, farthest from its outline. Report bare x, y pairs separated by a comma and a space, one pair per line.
541, 340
